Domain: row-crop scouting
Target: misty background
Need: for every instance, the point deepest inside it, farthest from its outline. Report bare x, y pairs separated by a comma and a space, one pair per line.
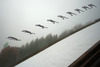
66, 51
18, 15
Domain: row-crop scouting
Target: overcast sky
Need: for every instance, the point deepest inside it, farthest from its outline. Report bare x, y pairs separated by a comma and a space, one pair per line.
17, 15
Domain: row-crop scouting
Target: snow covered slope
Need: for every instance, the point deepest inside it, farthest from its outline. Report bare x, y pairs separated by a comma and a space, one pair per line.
66, 51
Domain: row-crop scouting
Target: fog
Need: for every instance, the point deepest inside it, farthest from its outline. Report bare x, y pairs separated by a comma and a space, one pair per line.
63, 53
18, 15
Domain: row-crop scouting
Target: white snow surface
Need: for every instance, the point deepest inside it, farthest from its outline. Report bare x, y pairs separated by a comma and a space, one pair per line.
63, 53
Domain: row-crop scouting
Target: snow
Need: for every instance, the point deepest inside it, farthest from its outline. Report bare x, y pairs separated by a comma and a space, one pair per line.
63, 53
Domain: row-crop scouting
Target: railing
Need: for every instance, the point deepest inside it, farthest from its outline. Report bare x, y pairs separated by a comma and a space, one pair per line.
91, 58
